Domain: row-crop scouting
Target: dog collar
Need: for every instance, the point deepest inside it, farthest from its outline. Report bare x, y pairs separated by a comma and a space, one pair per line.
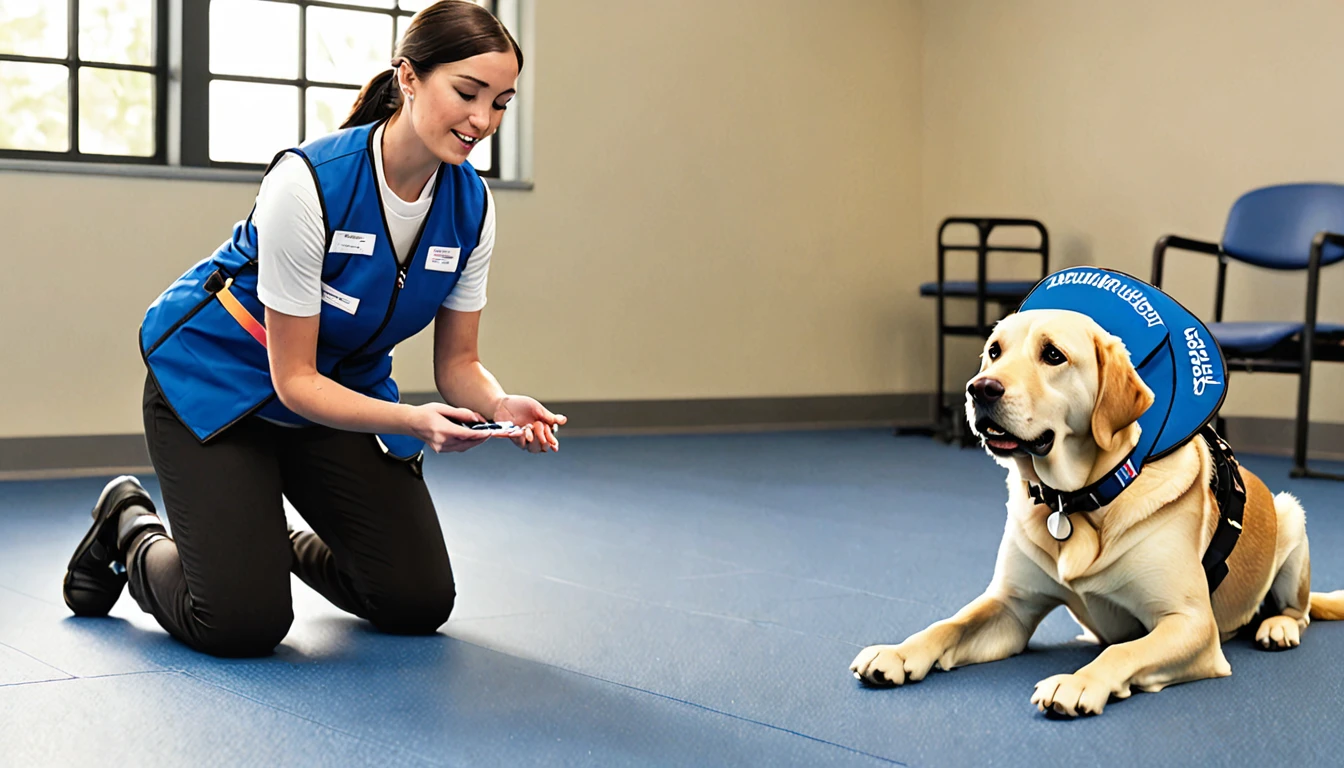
1089, 499
1177, 358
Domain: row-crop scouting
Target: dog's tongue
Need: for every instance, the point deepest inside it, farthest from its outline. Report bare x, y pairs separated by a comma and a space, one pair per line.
1003, 445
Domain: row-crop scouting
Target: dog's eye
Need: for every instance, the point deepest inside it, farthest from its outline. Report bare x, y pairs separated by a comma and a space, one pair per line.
1052, 356
994, 351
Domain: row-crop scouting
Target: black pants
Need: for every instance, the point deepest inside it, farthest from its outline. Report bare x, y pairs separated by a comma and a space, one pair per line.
221, 584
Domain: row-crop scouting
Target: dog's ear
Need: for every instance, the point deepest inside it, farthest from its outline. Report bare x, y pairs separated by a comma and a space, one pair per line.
1122, 397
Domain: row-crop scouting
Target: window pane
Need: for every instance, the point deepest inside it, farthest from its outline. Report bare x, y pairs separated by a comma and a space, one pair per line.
249, 37
35, 103
116, 112
116, 31
371, 3
250, 122
480, 154
34, 27
347, 46
402, 23
327, 108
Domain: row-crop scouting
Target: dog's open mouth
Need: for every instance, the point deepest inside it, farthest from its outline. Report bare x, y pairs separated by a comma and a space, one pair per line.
1005, 443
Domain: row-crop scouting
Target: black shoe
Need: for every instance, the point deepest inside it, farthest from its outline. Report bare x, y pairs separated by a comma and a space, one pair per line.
96, 574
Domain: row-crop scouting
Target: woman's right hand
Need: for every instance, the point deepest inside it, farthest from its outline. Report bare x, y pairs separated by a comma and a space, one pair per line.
431, 423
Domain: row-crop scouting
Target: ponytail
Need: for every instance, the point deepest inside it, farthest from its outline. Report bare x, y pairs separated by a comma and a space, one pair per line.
377, 100
447, 31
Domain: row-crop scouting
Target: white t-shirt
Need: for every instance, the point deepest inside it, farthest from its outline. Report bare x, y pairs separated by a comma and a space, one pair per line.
292, 238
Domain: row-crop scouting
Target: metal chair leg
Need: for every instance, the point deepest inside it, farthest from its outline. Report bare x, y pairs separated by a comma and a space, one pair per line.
1304, 375
1303, 424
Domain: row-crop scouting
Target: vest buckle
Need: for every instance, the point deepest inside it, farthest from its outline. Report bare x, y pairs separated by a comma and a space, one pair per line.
215, 282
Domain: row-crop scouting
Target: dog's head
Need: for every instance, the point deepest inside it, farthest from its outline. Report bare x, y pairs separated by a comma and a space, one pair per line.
1057, 390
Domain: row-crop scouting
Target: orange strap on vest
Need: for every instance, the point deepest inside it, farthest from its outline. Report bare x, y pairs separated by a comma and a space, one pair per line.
240, 313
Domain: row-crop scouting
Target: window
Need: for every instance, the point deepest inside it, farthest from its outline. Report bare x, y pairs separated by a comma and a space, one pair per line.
222, 84
302, 66
83, 80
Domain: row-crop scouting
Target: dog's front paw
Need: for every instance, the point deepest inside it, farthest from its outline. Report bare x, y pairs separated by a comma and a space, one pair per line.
893, 664
1074, 695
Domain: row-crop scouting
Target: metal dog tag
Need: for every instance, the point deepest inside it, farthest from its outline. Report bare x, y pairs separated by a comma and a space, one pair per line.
1059, 526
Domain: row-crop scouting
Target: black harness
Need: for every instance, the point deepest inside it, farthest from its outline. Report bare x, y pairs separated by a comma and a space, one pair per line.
1226, 484
1230, 492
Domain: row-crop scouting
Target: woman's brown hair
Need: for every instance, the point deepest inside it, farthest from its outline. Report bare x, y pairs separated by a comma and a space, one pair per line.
447, 31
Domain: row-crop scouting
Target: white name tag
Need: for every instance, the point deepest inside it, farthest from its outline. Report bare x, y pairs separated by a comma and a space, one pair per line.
353, 242
347, 304
443, 259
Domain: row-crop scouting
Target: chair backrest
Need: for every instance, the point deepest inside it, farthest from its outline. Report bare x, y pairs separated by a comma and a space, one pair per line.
1273, 226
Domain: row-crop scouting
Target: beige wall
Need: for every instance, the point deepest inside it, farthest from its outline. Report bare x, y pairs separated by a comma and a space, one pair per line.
1117, 122
739, 199
84, 257
725, 197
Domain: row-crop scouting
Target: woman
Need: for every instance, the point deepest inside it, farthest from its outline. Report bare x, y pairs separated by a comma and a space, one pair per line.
358, 240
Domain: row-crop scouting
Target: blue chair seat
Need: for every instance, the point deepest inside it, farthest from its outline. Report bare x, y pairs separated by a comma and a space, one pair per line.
995, 290
1251, 338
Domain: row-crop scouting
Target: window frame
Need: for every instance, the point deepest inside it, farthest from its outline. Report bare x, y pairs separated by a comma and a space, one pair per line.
74, 63
182, 104
196, 79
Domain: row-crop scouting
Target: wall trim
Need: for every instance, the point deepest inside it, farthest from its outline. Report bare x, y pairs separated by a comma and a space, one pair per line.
1256, 434
26, 458
36, 458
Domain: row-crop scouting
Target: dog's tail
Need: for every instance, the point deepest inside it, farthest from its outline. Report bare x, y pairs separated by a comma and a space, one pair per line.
1327, 606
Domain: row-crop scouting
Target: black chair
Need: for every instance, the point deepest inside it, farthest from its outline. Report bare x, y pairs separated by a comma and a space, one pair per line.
1006, 294
1280, 227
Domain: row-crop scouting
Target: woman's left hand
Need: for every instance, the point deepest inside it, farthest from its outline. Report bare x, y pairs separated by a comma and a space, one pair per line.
539, 425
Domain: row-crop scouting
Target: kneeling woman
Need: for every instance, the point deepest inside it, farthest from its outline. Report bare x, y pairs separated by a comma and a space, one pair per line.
358, 240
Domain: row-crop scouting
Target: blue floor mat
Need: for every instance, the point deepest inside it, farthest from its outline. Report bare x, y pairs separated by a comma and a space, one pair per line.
688, 600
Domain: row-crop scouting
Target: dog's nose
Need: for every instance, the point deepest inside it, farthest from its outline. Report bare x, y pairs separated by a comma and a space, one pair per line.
985, 390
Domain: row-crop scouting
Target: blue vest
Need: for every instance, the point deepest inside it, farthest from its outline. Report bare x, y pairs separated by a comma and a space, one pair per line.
1172, 350
203, 339
1181, 362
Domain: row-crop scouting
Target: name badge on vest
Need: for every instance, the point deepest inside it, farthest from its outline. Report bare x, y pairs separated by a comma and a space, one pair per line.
353, 242
346, 303
443, 259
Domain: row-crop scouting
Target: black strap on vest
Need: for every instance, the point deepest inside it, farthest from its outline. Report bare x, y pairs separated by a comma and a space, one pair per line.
1230, 492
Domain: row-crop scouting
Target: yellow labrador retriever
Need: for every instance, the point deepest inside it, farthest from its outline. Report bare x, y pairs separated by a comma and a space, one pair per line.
1056, 401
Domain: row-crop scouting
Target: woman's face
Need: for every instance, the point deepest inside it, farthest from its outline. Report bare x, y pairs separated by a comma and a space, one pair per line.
459, 103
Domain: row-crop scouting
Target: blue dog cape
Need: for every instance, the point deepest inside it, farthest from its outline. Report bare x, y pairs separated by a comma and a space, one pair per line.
1173, 352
